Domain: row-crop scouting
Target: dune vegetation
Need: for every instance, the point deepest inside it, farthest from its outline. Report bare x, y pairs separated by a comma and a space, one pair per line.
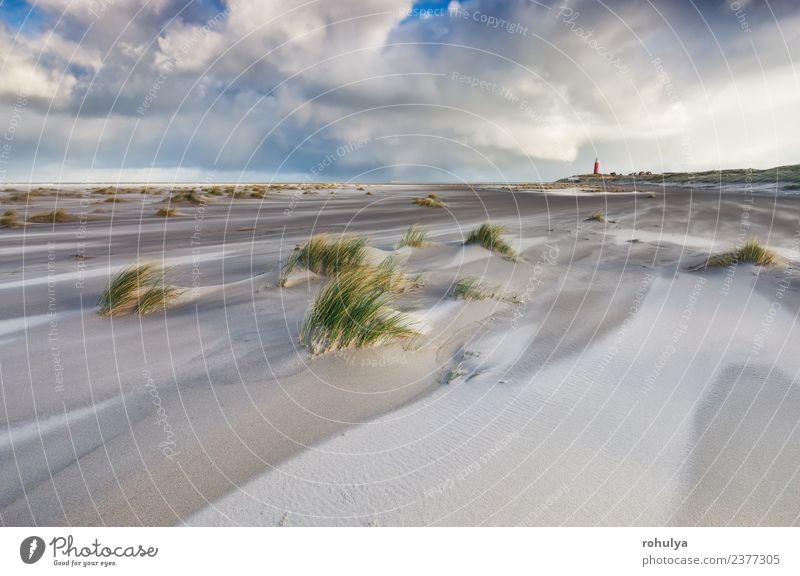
165, 212
490, 237
325, 255
470, 288
354, 310
122, 291
190, 197
752, 251
156, 298
432, 200
53, 217
597, 216
10, 219
139, 288
416, 237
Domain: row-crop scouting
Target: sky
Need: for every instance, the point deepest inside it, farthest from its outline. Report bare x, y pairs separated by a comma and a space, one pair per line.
391, 90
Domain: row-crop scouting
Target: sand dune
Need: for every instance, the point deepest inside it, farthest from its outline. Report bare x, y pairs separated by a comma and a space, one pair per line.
607, 386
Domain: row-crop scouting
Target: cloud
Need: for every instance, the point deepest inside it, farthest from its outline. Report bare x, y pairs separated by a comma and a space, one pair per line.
481, 89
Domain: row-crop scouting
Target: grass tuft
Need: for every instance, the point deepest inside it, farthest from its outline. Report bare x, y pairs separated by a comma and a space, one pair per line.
353, 310
10, 219
165, 212
123, 289
470, 288
751, 251
191, 197
52, 217
156, 298
325, 255
489, 236
597, 216
416, 236
430, 201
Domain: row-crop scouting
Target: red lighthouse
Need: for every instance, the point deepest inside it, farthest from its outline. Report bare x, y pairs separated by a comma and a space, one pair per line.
596, 166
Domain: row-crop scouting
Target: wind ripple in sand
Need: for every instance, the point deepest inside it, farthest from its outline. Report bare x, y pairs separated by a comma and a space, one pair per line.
592, 438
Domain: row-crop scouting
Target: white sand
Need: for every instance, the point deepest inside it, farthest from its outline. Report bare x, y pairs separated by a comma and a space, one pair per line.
617, 389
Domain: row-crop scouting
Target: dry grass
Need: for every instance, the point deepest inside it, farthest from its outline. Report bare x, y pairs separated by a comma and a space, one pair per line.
190, 197
52, 217
751, 251
326, 256
416, 237
430, 201
24, 197
490, 237
470, 288
165, 212
597, 216
353, 310
10, 219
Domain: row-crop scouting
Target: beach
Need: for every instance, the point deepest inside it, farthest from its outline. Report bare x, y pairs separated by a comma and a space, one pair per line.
604, 384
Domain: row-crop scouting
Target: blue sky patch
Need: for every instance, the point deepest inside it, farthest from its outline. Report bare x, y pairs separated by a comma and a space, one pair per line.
17, 14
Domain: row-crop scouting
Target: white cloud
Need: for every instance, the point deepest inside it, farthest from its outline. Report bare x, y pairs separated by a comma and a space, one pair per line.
545, 85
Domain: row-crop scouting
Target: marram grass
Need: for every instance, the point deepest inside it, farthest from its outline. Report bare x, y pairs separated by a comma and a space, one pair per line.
122, 291
416, 237
751, 251
430, 201
10, 219
52, 217
597, 216
190, 196
353, 310
470, 288
165, 212
326, 256
156, 298
490, 237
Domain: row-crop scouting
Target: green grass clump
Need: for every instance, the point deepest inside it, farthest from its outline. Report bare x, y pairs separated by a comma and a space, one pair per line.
751, 251
353, 310
470, 288
191, 197
156, 298
138, 288
122, 291
416, 237
430, 201
52, 217
325, 255
10, 219
489, 236
597, 216
165, 212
